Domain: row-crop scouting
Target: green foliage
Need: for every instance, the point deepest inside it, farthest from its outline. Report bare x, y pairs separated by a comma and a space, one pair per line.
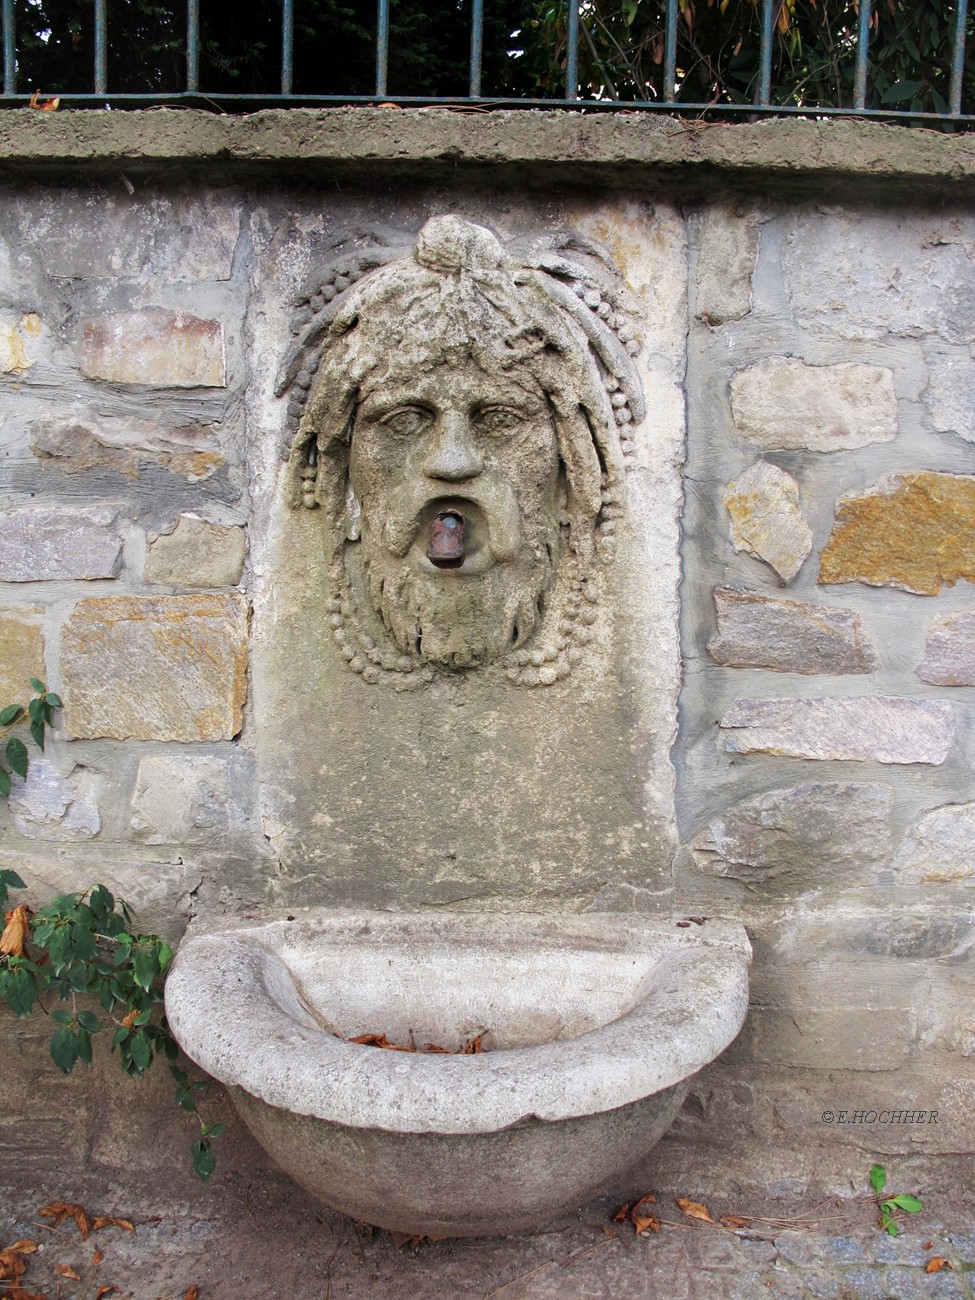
83, 945
890, 1205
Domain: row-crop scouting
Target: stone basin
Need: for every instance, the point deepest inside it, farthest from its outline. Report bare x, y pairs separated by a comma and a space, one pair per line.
593, 1027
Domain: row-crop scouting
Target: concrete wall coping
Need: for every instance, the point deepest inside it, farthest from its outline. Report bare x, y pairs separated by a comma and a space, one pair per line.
616, 147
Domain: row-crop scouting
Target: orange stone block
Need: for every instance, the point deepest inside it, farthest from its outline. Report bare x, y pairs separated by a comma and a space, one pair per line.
913, 531
155, 667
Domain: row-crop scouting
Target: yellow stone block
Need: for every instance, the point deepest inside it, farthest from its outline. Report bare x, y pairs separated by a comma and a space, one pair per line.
913, 531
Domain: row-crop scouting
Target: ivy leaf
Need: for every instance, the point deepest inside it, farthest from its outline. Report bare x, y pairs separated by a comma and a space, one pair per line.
38, 686
37, 732
17, 755
140, 1051
906, 1202
88, 1020
11, 714
21, 990
204, 1161
145, 965
54, 700
4, 782
878, 1178
64, 1049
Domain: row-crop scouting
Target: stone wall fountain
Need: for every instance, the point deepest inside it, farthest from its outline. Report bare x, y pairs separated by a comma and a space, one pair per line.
465, 696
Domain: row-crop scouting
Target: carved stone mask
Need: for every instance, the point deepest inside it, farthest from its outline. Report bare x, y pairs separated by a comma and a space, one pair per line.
461, 436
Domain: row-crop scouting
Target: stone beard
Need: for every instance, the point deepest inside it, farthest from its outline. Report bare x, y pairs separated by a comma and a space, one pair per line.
460, 438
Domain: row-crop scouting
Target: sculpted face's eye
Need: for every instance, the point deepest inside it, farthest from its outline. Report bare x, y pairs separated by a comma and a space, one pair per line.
497, 421
406, 421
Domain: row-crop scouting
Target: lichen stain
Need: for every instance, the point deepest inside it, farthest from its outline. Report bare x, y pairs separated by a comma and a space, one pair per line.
913, 531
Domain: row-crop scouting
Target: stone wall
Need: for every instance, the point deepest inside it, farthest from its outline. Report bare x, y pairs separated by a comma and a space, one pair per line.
825, 746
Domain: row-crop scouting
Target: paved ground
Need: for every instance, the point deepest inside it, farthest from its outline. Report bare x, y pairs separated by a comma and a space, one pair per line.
248, 1238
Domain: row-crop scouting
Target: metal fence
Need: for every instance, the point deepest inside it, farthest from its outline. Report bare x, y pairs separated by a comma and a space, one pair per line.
761, 102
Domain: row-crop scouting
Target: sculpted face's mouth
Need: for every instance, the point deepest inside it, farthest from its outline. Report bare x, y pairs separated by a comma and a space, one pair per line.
447, 545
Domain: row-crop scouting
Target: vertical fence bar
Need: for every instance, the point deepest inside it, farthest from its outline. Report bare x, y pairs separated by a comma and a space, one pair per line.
101, 49
477, 47
958, 58
863, 42
670, 53
572, 51
192, 46
382, 47
287, 46
9, 50
763, 86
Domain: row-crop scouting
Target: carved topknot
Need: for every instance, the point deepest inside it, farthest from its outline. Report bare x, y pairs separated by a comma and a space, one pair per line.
452, 244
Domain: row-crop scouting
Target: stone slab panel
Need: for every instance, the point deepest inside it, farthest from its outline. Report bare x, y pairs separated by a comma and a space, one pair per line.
939, 848
882, 729
21, 655
767, 520
726, 264
86, 441
52, 806
912, 531
155, 668
783, 404
18, 342
788, 636
949, 653
197, 554
48, 543
160, 348
951, 395
801, 838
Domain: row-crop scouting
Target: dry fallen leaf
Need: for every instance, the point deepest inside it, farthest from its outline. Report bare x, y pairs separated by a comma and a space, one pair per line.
13, 941
471, 1048
65, 1270
734, 1221
17, 1293
694, 1210
47, 106
192, 1293
937, 1263
104, 1291
24, 1247
128, 1021
59, 1211
12, 1265
97, 1258
105, 1221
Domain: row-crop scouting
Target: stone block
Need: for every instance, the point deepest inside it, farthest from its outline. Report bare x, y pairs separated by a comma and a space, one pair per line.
726, 263
951, 395
47, 543
87, 441
182, 800
879, 728
18, 342
197, 554
21, 655
801, 837
949, 654
831, 1038
903, 280
912, 531
160, 348
52, 806
874, 937
939, 848
783, 404
788, 636
155, 667
767, 520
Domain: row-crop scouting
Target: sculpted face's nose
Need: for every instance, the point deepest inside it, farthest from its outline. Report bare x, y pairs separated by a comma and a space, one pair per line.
453, 456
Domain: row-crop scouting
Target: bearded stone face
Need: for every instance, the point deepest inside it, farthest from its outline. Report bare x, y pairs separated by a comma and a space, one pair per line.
469, 453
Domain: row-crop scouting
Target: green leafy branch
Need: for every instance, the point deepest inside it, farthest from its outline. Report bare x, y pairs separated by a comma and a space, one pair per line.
890, 1205
84, 945
40, 713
